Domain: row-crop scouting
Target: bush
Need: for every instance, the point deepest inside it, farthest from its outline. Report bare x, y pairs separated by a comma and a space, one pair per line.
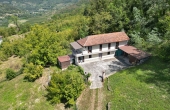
10, 74
32, 72
65, 87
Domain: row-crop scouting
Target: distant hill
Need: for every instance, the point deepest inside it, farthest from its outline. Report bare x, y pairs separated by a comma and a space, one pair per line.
8, 9
26, 9
35, 5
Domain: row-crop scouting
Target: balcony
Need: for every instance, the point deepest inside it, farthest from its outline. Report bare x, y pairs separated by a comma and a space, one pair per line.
79, 53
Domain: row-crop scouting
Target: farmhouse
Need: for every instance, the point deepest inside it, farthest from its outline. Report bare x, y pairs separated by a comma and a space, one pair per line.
100, 47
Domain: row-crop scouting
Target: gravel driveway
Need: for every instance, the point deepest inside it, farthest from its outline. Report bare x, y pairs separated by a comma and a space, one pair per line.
96, 69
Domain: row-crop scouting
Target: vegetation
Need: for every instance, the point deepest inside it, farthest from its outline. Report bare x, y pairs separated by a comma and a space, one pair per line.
20, 94
31, 10
10, 74
146, 22
143, 87
32, 72
65, 87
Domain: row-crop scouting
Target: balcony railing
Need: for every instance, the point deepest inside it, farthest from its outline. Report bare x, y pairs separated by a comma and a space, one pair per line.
79, 53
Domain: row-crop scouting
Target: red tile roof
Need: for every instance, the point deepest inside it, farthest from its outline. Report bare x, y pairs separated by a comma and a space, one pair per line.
103, 38
139, 54
64, 58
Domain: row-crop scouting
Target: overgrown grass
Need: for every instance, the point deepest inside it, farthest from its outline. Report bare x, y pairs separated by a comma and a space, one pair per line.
144, 87
14, 63
18, 94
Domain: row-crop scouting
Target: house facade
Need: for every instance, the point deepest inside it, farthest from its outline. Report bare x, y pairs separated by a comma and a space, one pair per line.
98, 47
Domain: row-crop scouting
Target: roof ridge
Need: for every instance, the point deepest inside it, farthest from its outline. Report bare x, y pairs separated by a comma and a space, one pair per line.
86, 40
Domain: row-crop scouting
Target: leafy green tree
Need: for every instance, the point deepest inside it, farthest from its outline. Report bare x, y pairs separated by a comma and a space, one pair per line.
32, 72
15, 21
65, 87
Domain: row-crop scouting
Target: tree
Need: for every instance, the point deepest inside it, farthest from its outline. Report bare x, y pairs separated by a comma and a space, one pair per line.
32, 72
15, 20
65, 87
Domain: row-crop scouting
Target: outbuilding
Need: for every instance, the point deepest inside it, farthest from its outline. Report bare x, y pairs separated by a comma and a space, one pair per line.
135, 55
64, 61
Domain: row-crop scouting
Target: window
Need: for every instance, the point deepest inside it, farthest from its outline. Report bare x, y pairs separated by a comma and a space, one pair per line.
117, 45
89, 49
109, 44
100, 47
108, 53
89, 56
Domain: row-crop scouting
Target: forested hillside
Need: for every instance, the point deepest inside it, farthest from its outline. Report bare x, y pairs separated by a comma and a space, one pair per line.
146, 22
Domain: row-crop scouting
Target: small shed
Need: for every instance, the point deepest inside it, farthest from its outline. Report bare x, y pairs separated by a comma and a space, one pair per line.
135, 55
64, 61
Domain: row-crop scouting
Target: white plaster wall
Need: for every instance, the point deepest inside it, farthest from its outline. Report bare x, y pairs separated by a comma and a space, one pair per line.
76, 60
122, 43
104, 47
86, 57
95, 56
112, 53
85, 50
113, 45
108, 56
95, 48
104, 54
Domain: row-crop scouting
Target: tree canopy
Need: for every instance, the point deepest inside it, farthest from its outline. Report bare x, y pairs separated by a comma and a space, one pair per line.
65, 87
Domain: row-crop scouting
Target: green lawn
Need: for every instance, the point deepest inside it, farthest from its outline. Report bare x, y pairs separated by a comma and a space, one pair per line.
144, 87
17, 94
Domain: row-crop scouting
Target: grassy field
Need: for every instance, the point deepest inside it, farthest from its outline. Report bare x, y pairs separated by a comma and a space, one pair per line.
144, 87
18, 94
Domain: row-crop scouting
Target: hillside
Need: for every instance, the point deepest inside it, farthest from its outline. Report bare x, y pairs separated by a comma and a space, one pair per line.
31, 9
30, 53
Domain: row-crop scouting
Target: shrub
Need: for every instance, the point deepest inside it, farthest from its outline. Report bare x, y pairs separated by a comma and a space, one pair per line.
10, 74
32, 72
71, 67
65, 87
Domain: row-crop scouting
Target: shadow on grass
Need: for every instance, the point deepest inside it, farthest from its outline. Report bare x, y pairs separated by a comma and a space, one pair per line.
154, 71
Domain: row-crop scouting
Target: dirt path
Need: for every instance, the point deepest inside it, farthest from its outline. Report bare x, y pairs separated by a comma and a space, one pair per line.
91, 99
100, 99
92, 106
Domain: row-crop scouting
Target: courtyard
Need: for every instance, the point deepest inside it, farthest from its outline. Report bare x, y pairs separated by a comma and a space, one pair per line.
109, 67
